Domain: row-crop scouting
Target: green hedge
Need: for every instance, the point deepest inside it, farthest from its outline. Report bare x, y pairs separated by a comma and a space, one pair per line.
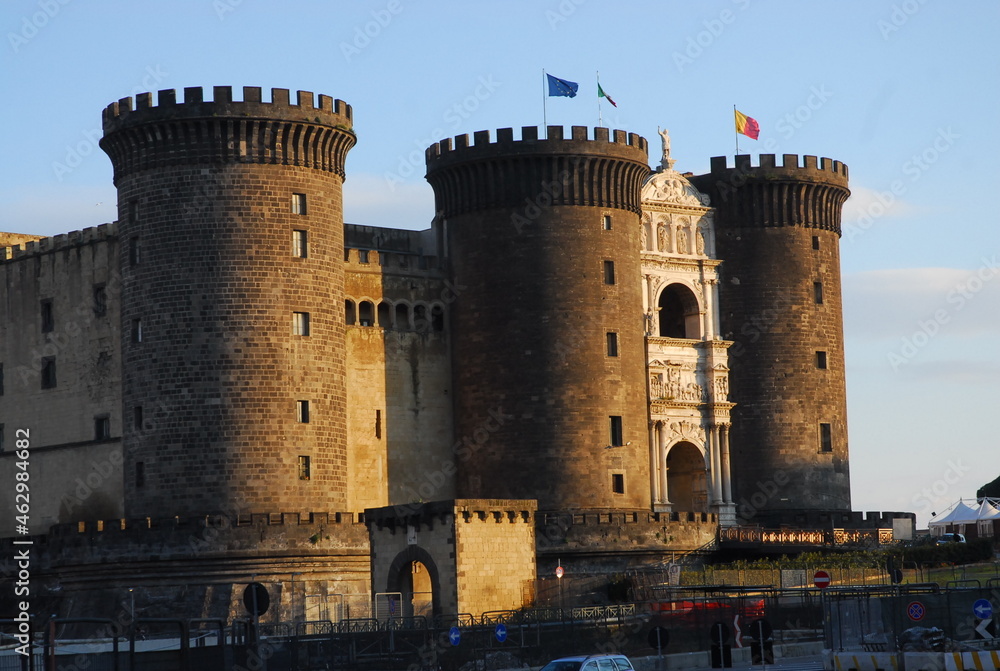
947, 553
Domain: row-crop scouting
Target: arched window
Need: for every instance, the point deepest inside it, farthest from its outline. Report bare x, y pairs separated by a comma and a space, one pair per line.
384, 315
366, 313
437, 318
679, 313
350, 315
403, 316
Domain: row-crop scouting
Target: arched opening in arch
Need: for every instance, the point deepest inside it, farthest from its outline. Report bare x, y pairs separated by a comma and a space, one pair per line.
420, 322
437, 318
402, 316
680, 316
349, 312
366, 313
414, 574
687, 481
384, 315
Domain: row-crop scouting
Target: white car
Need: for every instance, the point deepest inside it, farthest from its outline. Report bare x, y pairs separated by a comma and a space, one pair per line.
590, 663
951, 538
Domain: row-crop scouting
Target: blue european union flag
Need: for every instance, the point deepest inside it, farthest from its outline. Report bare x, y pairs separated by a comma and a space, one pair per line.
561, 87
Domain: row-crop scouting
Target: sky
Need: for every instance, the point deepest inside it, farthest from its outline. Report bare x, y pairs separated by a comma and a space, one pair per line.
905, 92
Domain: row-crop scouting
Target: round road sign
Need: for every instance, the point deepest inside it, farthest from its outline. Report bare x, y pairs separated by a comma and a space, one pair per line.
256, 599
982, 609
916, 611
559, 572
454, 636
658, 638
821, 579
500, 631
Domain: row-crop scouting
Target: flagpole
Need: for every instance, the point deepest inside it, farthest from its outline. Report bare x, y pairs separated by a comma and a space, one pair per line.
600, 118
737, 132
545, 114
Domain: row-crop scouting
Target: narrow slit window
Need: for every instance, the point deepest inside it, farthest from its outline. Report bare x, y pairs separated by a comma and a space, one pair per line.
825, 437
136, 330
821, 360
302, 412
305, 470
609, 272
100, 300
133, 251
300, 244
140, 474
818, 292
48, 317
616, 431
102, 427
298, 203
137, 418
48, 372
612, 339
618, 483
378, 425
606, 222
815, 242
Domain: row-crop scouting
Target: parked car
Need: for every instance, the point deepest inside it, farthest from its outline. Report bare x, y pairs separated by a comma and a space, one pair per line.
590, 663
951, 538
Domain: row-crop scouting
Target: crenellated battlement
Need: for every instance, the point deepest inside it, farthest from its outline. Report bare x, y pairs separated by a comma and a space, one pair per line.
60, 242
122, 113
145, 136
602, 140
789, 162
193, 523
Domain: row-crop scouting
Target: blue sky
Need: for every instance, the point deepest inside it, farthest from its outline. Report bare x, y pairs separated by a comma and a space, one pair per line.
903, 91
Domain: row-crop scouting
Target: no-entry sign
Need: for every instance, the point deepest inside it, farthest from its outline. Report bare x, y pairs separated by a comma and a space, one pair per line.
821, 579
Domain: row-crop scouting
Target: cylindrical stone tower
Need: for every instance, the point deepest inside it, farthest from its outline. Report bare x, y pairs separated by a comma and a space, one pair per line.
778, 234
548, 342
232, 294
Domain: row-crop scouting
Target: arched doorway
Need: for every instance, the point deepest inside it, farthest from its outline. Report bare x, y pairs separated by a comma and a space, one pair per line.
680, 316
414, 575
686, 478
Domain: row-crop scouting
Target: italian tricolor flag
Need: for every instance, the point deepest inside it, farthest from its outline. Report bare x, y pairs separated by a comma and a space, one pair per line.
602, 94
747, 125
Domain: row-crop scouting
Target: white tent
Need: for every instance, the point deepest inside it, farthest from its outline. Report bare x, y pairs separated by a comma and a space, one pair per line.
988, 515
959, 514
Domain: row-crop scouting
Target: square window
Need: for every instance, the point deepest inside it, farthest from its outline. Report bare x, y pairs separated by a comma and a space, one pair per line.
302, 412
102, 427
48, 372
821, 360
612, 343
300, 323
618, 483
815, 242
606, 222
818, 292
140, 474
609, 272
616, 431
300, 244
304, 468
363, 256
100, 300
137, 418
133, 250
136, 330
825, 438
298, 203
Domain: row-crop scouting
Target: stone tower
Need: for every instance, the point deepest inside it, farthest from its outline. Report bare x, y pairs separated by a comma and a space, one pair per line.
548, 339
232, 295
778, 233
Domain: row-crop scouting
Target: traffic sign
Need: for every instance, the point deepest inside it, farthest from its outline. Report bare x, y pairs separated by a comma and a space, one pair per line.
256, 599
983, 609
984, 629
821, 579
658, 638
454, 636
560, 572
916, 611
500, 631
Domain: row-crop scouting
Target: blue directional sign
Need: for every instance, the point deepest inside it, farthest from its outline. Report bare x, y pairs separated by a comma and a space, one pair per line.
455, 636
500, 632
983, 609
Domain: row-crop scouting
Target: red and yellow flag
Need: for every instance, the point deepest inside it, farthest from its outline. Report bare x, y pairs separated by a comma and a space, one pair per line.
747, 125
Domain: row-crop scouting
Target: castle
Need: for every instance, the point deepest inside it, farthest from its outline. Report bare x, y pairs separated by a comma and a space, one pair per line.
231, 381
